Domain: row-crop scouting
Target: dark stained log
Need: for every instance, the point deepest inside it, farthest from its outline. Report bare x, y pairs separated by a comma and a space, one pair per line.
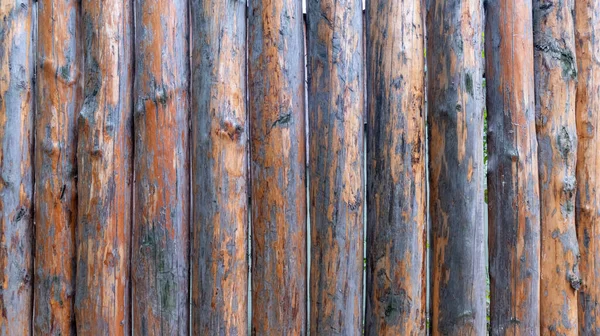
455, 119
396, 163
513, 189
278, 149
59, 99
104, 157
16, 166
160, 234
587, 207
555, 96
335, 107
219, 161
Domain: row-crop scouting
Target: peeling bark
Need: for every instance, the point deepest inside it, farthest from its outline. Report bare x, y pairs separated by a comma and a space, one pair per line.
335, 100
396, 186
219, 138
277, 145
104, 156
555, 93
587, 208
455, 117
59, 98
16, 166
160, 236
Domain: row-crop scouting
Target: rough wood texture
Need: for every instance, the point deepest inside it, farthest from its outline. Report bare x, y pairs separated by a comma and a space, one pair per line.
555, 95
396, 163
59, 99
160, 234
455, 119
513, 189
104, 157
335, 99
16, 163
278, 148
587, 208
219, 143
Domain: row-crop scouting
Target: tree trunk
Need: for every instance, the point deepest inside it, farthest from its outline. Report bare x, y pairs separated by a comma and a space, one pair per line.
277, 144
59, 98
455, 92
219, 160
16, 173
104, 156
555, 94
160, 265
587, 209
335, 99
396, 163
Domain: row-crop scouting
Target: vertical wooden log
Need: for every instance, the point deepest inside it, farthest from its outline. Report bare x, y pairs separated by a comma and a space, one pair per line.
555, 95
104, 157
277, 144
587, 208
16, 163
455, 100
160, 236
396, 186
513, 189
59, 98
219, 138
335, 99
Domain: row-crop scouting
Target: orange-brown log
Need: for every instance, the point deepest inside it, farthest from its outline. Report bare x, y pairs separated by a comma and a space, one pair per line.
219, 161
104, 157
59, 99
16, 166
160, 234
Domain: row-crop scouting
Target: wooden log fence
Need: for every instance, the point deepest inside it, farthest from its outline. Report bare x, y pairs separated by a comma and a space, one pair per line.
205, 167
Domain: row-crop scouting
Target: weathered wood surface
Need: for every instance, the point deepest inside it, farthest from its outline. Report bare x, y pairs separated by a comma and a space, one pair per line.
335, 110
160, 234
278, 182
104, 157
59, 99
587, 207
396, 163
555, 96
455, 119
219, 143
16, 166
513, 192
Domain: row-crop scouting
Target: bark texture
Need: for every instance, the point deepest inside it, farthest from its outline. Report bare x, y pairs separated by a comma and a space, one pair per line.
219, 138
277, 144
104, 156
555, 94
455, 117
335, 98
513, 188
16, 166
59, 99
396, 163
160, 263
587, 208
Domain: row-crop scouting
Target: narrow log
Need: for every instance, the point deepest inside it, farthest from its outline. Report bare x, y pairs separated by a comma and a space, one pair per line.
16, 166
396, 163
104, 157
555, 96
59, 99
455, 119
277, 147
335, 107
160, 235
219, 161
587, 208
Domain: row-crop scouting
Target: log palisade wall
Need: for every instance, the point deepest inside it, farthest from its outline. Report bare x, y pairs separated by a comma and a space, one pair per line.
209, 167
